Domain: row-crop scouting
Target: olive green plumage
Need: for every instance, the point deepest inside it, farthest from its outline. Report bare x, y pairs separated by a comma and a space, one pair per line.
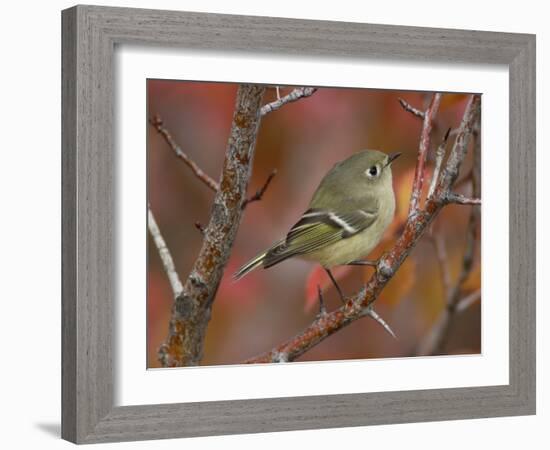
346, 218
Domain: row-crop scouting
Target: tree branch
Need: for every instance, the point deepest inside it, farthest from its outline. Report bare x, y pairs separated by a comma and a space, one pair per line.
408, 107
164, 253
469, 300
260, 192
427, 125
439, 155
158, 124
356, 306
437, 339
434, 343
460, 146
461, 200
192, 308
295, 95
442, 261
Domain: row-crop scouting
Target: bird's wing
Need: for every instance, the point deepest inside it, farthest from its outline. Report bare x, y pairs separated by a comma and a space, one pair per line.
316, 229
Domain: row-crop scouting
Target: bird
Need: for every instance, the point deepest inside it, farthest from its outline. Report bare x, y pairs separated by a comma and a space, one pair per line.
346, 218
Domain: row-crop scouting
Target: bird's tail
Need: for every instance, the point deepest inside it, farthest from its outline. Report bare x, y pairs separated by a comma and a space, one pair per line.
249, 266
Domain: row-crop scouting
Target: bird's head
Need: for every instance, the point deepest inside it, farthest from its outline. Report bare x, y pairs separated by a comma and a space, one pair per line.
371, 167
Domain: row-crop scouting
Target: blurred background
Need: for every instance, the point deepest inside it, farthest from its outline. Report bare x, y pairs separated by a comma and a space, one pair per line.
302, 141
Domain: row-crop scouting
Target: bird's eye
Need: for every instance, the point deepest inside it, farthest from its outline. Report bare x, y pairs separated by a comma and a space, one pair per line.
372, 171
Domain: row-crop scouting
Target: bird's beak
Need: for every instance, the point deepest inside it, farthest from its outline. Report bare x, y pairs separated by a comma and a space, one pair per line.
392, 157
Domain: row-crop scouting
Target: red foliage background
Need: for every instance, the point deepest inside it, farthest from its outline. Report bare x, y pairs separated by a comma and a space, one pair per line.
302, 141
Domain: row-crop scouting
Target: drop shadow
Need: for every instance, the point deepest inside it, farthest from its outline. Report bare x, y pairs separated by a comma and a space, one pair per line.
53, 429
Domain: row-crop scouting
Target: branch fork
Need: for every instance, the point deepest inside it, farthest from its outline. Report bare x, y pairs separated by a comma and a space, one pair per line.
194, 297
419, 219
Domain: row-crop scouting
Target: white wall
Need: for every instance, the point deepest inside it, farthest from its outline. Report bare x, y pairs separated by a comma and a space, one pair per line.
30, 226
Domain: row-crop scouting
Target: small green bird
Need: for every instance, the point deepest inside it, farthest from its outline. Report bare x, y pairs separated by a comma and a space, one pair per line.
346, 218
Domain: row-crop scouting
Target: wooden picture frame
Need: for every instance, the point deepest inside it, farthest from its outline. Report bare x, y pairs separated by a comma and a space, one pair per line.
90, 34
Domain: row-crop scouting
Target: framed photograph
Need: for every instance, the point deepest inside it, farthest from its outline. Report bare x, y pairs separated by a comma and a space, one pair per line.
277, 224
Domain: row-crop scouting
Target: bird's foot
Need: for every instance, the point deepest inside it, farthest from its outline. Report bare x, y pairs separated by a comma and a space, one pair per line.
364, 262
342, 296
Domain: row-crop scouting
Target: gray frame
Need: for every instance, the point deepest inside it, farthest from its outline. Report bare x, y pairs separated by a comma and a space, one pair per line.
90, 34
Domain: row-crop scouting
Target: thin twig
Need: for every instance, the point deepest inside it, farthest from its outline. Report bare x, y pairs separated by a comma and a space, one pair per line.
408, 107
439, 155
260, 192
460, 199
424, 147
443, 262
467, 259
158, 124
435, 342
468, 301
164, 253
295, 95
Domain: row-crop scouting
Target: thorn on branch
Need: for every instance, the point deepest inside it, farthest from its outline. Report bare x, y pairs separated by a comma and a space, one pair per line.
322, 307
199, 226
260, 192
407, 107
374, 315
295, 95
157, 122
